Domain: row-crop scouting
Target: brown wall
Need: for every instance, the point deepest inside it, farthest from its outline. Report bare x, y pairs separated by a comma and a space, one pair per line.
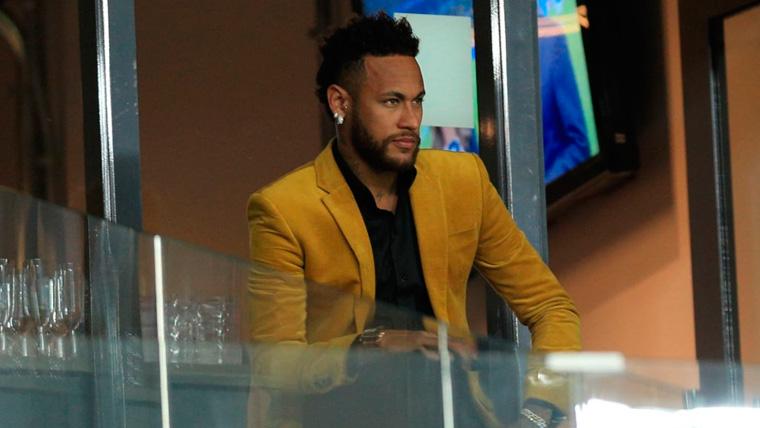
10, 129
64, 79
624, 256
44, 157
742, 38
226, 105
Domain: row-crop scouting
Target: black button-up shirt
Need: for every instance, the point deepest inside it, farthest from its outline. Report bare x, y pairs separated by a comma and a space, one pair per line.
398, 270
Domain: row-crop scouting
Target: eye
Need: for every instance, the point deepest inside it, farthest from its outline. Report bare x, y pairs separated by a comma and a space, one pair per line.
391, 101
419, 101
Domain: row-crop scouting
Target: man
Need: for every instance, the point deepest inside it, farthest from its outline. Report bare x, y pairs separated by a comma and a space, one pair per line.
375, 219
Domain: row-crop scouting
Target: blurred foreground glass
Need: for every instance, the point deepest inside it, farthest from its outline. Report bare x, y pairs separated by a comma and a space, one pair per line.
316, 376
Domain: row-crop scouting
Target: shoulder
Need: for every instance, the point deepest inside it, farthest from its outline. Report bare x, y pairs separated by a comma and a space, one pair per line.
295, 185
447, 164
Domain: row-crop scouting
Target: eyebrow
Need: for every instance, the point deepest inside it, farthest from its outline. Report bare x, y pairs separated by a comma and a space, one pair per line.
402, 96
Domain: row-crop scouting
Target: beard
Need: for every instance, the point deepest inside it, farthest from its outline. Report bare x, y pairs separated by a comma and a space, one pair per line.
374, 153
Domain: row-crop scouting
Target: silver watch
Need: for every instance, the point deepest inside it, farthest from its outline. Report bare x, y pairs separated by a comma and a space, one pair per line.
371, 337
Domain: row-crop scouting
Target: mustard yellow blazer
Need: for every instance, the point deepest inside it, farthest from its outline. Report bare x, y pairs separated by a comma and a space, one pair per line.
313, 272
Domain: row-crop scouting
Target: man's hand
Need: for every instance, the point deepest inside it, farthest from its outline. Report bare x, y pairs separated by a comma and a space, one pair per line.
423, 341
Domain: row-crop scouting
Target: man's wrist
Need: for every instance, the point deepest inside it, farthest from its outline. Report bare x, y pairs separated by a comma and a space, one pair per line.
371, 337
535, 418
542, 413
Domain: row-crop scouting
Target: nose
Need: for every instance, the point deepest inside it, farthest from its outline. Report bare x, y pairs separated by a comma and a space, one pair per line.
411, 116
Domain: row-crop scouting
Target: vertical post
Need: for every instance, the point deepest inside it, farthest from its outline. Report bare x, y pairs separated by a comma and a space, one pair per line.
506, 39
163, 371
112, 176
109, 95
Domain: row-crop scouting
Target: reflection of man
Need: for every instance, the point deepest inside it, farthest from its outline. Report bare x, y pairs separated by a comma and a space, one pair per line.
373, 216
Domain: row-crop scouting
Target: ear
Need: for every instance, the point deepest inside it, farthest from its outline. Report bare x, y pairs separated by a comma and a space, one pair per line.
338, 99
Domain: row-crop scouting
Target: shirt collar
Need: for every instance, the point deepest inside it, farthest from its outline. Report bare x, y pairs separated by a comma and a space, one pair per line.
405, 178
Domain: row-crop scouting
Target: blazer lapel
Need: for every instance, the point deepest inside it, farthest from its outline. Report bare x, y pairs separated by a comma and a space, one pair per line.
340, 202
430, 221
346, 213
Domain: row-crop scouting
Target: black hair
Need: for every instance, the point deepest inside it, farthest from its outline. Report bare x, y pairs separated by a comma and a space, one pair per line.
344, 50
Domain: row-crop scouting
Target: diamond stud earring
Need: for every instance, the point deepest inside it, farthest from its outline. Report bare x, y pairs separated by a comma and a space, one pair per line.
338, 118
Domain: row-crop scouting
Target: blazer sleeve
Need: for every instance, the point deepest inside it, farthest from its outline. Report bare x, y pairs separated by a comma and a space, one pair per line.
281, 358
519, 275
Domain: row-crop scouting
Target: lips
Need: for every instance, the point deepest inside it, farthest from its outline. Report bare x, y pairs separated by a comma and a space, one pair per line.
406, 142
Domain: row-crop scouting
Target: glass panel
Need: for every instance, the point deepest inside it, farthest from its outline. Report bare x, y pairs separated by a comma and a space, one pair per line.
612, 391
243, 345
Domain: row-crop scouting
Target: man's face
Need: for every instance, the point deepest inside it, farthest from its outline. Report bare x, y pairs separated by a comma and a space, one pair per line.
385, 120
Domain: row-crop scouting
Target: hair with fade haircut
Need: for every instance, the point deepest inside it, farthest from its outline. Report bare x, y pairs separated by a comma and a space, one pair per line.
344, 50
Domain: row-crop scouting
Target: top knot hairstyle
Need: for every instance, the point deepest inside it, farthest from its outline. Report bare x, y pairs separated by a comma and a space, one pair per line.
344, 50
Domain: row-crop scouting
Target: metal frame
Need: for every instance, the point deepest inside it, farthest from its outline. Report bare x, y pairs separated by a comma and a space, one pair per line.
510, 129
112, 175
111, 129
716, 320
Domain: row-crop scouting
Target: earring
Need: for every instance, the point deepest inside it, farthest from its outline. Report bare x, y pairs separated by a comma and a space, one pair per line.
338, 118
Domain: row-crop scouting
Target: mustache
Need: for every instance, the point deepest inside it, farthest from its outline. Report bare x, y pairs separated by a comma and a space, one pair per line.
407, 134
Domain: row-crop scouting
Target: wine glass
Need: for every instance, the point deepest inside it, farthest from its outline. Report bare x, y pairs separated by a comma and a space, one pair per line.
183, 323
214, 328
42, 305
71, 301
21, 318
50, 315
4, 304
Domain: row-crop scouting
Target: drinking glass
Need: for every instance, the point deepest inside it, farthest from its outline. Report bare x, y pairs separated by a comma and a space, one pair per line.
21, 319
4, 305
214, 329
72, 301
183, 320
51, 321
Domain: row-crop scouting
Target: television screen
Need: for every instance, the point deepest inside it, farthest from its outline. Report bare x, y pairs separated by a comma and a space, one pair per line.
569, 128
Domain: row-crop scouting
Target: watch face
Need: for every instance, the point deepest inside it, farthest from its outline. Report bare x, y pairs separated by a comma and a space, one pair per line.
372, 336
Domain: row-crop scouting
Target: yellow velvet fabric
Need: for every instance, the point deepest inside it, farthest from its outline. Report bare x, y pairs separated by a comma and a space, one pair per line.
313, 280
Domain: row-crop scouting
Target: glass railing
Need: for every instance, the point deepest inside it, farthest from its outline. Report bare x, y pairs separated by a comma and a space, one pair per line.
103, 326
